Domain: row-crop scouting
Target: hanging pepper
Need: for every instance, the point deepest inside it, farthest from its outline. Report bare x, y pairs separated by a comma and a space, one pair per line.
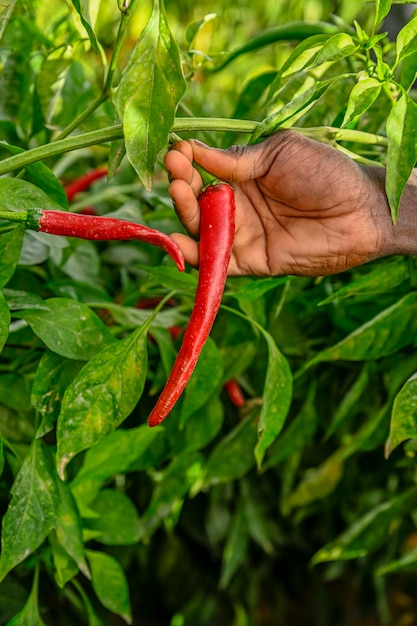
217, 229
83, 182
95, 228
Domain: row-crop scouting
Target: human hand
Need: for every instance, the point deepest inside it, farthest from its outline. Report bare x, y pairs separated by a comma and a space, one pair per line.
302, 207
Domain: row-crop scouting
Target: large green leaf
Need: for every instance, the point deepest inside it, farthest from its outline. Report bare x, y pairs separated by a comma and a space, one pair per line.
103, 394
33, 511
406, 41
387, 332
382, 8
148, 94
402, 149
361, 98
115, 453
69, 328
110, 584
69, 527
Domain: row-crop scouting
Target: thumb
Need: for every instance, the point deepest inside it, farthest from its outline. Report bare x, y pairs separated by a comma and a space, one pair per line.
235, 164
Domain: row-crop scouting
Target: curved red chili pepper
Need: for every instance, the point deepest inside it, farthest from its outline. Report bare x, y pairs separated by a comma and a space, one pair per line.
217, 229
83, 182
101, 228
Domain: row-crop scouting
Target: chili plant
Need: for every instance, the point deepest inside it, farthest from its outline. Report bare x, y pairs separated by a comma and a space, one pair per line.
255, 498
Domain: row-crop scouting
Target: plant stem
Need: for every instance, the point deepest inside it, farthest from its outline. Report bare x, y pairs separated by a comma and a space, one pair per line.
327, 134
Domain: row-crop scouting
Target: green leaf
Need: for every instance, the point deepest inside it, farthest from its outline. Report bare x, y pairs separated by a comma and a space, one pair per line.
235, 550
4, 321
14, 392
170, 278
387, 332
401, 151
104, 393
69, 328
29, 615
201, 386
117, 522
18, 195
338, 46
347, 405
197, 432
11, 241
291, 111
109, 584
255, 288
41, 176
233, 457
69, 527
115, 453
404, 415
66, 568
369, 532
381, 279
52, 377
318, 482
83, 9
302, 55
406, 42
361, 98
33, 511
183, 473
382, 8
277, 396
148, 93
297, 435
407, 563
6, 11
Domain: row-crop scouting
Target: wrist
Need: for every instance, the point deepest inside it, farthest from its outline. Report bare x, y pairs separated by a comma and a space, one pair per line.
401, 237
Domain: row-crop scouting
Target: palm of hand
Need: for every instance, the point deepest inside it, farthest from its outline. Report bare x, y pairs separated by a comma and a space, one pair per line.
301, 207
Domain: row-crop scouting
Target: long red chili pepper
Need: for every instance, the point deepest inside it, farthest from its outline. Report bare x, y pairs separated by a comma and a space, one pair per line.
217, 229
83, 182
100, 228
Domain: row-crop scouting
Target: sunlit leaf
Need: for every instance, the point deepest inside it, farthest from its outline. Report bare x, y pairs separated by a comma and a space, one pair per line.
361, 98
103, 394
402, 150
83, 9
406, 42
6, 11
148, 94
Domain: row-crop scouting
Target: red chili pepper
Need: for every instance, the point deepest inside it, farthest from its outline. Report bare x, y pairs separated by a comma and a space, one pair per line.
83, 182
217, 229
234, 392
99, 228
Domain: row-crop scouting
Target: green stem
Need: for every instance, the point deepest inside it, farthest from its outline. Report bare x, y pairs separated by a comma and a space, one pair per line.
14, 216
181, 124
80, 118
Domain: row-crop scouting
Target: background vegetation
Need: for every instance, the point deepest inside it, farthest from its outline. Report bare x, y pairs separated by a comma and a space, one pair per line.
209, 519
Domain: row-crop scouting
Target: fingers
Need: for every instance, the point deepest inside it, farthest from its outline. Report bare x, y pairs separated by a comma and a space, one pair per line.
186, 205
188, 246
